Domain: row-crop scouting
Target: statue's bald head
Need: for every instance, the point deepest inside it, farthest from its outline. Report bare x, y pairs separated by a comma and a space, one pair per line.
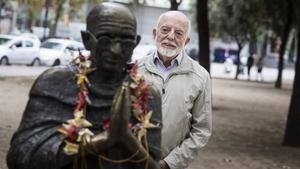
108, 12
111, 36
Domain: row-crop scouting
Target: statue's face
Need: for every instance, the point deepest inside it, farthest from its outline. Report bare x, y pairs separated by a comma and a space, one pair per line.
114, 45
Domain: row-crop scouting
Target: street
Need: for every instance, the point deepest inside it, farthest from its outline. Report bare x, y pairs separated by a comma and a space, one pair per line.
217, 71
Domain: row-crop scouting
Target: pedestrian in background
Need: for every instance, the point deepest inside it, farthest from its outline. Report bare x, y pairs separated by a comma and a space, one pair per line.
259, 75
250, 62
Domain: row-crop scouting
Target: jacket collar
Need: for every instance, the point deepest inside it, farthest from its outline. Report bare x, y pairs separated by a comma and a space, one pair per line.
177, 59
184, 66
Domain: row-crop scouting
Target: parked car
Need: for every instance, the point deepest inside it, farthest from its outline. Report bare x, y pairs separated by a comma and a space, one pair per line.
193, 53
221, 55
141, 51
55, 52
19, 50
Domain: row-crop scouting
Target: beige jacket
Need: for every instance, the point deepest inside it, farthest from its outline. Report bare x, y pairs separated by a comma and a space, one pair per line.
186, 109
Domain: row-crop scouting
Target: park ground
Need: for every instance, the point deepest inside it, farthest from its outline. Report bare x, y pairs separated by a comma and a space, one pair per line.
248, 124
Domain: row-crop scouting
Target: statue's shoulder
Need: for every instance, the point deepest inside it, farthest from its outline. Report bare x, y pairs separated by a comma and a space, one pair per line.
57, 73
55, 81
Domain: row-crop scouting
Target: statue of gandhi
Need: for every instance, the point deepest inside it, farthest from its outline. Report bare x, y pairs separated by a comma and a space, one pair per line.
110, 37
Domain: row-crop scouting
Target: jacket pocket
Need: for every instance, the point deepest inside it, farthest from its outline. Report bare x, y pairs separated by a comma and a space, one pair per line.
186, 125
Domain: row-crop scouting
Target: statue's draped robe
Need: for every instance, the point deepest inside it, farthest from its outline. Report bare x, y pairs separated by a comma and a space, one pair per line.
38, 145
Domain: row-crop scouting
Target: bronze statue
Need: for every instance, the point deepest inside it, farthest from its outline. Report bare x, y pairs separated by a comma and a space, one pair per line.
64, 97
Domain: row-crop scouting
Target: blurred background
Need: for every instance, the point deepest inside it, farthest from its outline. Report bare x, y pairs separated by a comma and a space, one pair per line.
250, 48
229, 32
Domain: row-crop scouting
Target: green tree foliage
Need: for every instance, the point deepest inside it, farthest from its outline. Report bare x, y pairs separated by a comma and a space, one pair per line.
33, 8
236, 20
274, 12
281, 20
75, 5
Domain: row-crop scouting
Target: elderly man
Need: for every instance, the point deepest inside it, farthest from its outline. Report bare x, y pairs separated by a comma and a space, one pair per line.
185, 88
99, 115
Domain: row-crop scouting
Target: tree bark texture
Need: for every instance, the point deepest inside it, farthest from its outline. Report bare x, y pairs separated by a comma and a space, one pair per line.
57, 16
284, 39
174, 4
203, 33
292, 132
238, 65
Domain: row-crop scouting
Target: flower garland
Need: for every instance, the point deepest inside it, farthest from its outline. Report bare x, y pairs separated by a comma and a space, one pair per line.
139, 97
74, 129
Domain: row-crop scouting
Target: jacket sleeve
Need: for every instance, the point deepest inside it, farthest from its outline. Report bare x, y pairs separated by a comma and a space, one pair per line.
200, 131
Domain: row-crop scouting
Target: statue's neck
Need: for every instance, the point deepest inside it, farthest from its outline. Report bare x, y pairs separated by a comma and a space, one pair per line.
108, 78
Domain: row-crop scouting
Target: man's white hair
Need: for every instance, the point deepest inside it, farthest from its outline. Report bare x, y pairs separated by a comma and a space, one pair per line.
178, 13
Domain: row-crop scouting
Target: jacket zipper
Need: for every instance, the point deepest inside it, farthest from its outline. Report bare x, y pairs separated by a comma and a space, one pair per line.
164, 81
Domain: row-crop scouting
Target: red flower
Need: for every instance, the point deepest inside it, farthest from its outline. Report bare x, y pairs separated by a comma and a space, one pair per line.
105, 124
81, 101
72, 133
133, 70
130, 125
82, 58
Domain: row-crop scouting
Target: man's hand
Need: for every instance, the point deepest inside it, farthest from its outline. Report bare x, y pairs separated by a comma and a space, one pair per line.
163, 165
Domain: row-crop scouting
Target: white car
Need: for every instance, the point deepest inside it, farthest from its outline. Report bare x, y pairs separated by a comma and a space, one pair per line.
18, 49
55, 52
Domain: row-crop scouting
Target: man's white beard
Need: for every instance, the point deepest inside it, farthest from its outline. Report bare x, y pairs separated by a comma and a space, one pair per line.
168, 52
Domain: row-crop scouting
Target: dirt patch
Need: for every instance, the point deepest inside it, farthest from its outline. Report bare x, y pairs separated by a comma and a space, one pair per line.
248, 124
14, 95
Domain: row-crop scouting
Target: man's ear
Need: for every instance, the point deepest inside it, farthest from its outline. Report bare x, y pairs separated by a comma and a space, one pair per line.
154, 33
187, 41
138, 39
88, 40
85, 36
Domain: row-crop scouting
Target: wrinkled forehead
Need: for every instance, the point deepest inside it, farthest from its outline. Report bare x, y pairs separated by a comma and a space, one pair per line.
112, 18
115, 27
174, 19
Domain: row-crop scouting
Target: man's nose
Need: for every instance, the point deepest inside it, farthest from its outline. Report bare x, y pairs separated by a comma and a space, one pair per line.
115, 47
171, 35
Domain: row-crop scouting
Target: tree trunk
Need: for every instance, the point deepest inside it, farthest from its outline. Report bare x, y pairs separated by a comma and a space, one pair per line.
252, 47
2, 5
203, 33
292, 132
238, 61
284, 38
45, 23
292, 50
174, 4
263, 52
57, 16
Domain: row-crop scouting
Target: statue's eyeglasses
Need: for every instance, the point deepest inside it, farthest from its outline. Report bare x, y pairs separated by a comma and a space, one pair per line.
124, 42
107, 40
